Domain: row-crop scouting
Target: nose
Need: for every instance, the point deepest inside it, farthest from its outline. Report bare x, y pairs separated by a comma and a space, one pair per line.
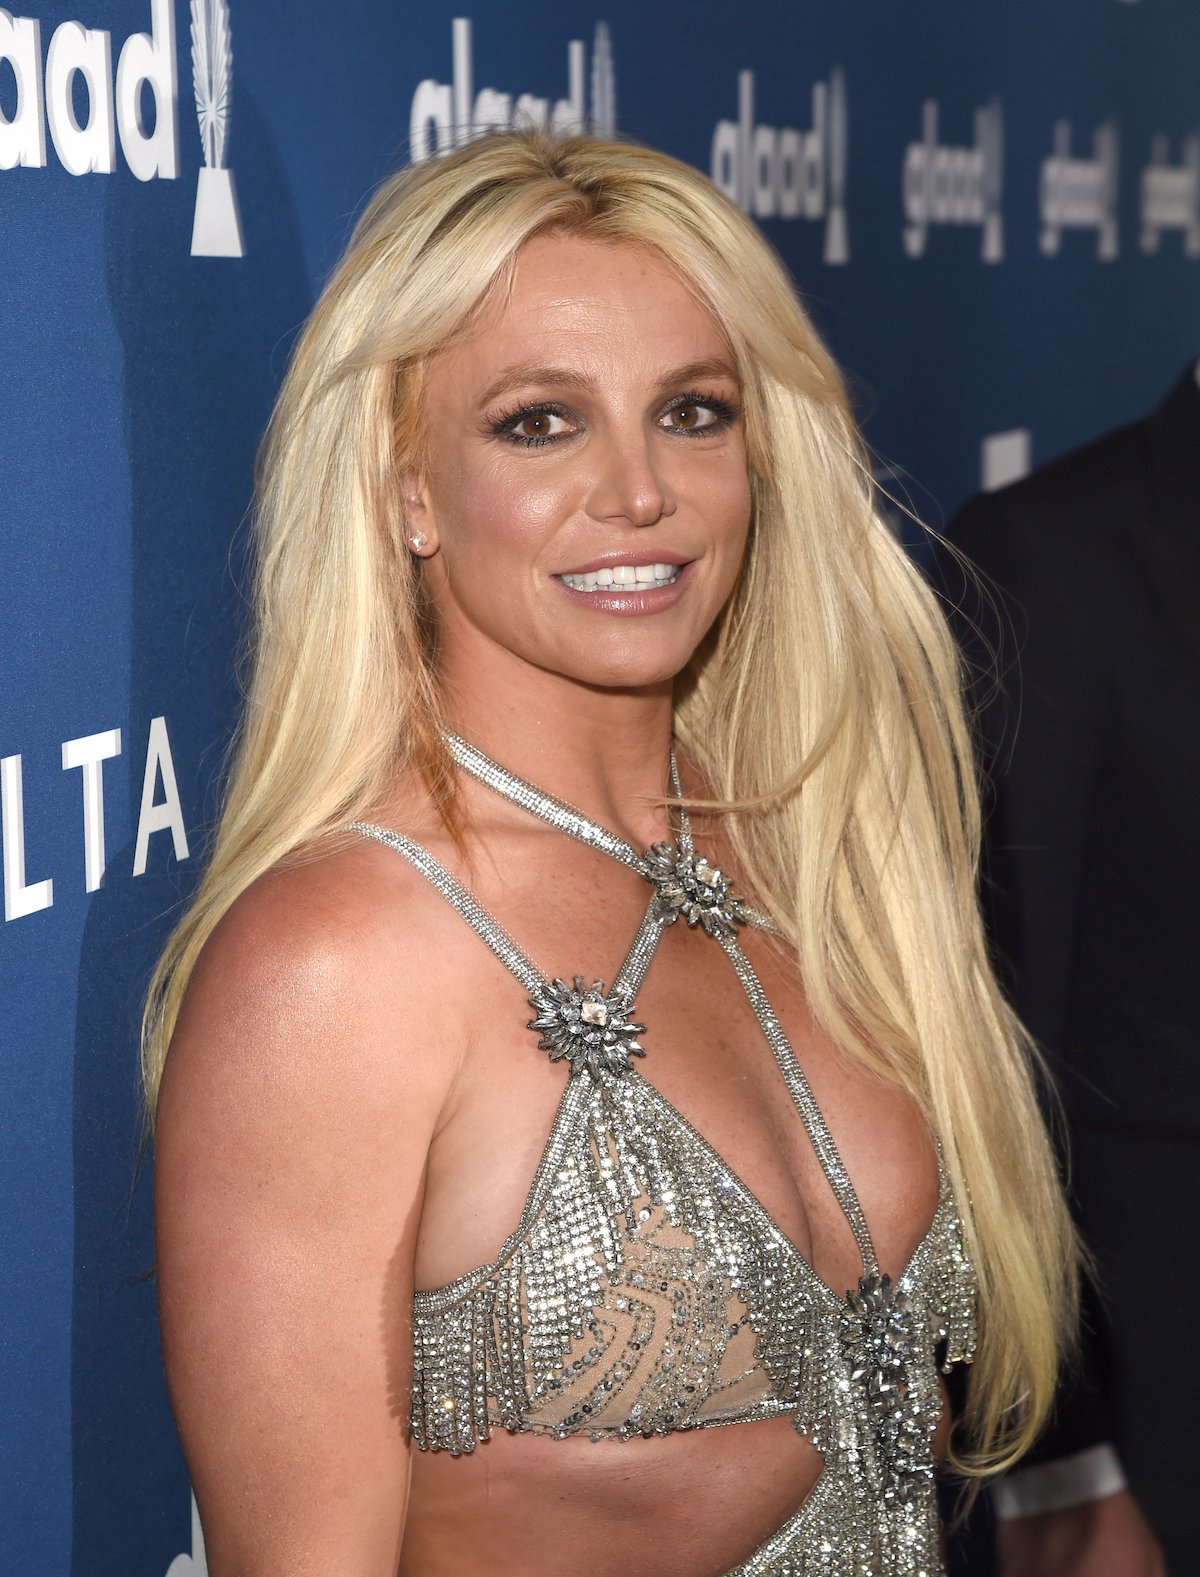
628, 482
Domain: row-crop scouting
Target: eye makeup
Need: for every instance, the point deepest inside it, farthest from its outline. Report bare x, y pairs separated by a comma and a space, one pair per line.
506, 426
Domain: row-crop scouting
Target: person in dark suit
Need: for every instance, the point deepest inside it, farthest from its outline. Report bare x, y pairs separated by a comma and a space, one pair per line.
1090, 595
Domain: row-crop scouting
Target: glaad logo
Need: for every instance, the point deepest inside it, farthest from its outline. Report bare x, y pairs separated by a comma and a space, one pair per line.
945, 185
1081, 194
80, 58
785, 172
1171, 195
79, 65
217, 226
195, 1564
455, 113
88, 755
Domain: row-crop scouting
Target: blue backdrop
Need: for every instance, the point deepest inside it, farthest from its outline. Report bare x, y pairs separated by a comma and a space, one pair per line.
993, 211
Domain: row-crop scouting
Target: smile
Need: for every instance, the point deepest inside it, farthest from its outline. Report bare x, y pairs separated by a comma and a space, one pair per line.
624, 577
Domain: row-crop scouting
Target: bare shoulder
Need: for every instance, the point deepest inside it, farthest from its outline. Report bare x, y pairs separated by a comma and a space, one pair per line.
313, 980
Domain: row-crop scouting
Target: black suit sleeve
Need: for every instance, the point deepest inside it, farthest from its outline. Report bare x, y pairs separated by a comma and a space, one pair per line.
1036, 687
1029, 634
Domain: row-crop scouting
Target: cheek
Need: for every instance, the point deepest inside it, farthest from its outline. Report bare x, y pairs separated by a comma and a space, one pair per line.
496, 514
728, 508
741, 502
724, 501
713, 478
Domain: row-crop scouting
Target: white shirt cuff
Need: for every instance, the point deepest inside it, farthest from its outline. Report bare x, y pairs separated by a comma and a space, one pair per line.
1053, 1486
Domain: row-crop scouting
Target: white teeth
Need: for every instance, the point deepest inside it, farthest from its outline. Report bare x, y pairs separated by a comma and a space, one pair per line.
623, 575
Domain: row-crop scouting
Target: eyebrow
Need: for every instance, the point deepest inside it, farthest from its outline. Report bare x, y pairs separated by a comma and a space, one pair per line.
521, 376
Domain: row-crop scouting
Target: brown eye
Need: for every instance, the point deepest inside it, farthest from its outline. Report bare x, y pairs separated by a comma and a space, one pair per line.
535, 426
699, 416
531, 427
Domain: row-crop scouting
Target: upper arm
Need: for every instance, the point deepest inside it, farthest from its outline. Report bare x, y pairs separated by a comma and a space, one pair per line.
293, 1127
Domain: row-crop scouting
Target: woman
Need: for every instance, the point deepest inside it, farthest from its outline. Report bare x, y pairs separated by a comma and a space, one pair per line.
561, 475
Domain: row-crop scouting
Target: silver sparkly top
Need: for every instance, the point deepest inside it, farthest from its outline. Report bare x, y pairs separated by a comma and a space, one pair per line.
645, 1289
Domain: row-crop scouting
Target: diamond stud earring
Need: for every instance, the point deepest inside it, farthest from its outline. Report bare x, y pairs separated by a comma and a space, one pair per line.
417, 541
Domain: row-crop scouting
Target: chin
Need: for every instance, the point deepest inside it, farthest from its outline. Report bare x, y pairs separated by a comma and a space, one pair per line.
629, 671
627, 655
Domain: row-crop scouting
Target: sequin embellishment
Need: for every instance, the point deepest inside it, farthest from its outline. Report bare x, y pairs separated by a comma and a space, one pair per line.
590, 1027
879, 1343
689, 887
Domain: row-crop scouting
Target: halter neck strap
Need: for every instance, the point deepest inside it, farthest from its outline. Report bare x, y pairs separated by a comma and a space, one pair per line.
556, 812
565, 818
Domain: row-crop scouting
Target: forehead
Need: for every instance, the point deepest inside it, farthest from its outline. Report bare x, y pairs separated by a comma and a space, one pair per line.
585, 301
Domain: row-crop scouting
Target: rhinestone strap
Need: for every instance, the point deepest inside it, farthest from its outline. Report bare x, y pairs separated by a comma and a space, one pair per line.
496, 937
641, 950
554, 811
687, 844
801, 1092
557, 813
630, 975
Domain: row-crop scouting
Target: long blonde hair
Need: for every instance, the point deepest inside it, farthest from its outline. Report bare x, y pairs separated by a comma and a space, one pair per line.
823, 710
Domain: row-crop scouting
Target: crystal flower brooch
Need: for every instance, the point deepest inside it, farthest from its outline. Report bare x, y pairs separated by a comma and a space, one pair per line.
590, 1027
691, 888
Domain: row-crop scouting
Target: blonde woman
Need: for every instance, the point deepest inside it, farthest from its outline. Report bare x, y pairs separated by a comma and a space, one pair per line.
583, 1036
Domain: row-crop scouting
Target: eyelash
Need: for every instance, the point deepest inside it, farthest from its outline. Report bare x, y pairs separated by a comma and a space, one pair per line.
504, 425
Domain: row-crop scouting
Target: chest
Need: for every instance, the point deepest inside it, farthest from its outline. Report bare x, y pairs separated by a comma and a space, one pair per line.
706, 1054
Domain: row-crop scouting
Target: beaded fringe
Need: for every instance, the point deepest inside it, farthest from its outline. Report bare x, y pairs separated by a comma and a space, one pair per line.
696, 1311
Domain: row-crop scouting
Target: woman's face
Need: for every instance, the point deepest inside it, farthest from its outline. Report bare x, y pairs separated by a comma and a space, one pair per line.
586, 499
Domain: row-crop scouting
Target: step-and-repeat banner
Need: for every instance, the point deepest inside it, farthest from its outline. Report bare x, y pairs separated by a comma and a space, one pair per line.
992, 210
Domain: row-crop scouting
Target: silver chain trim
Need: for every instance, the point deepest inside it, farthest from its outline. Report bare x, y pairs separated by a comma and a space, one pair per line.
687, 884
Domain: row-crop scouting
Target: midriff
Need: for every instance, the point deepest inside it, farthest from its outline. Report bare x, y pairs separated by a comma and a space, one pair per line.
692, 1504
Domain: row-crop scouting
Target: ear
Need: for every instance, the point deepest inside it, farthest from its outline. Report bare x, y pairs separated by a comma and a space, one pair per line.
420, 527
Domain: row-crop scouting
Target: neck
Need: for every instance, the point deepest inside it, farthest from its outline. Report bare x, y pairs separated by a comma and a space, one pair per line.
604, 751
